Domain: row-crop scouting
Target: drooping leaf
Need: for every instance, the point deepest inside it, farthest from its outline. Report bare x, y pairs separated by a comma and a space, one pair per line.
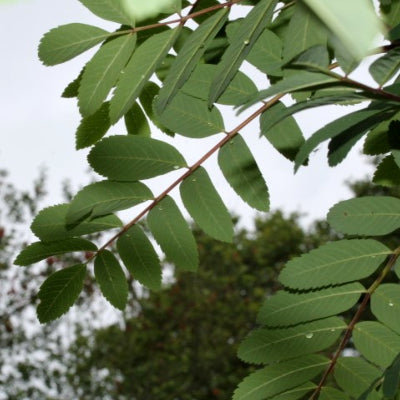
140, 258
38, 251
132, 158
59, 292
336, 262
278, 378
102, 72
50, 224
385, 305
136, 122
369, 215
376, 343
111, 279
247, 34
387, 173
68, 41
242, 173
329, 393
267, 346
172, 233
106, 197
145, 60
392, 379
385, 67
111, 10
286, 308
205, 205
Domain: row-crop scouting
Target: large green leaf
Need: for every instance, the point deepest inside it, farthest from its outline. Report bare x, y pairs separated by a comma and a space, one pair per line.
132, 158
50, 224
385, 67
172, 233
67, 41
38, 251
102, 72
106, 197
139, 256
189, 57
376, 343
205, 205
385, 305
145, 60
286, 308
277, 378
59, 292
111, 279
244, 39
242, 173
369, 215
111, 10
333, 263
270, 345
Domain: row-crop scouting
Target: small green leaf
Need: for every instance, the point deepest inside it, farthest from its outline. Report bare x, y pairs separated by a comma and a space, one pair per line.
102, 72
136, 122
385, 305
385, 67
387, 173
68, 41
140, 258
111, 10
132, 158
59, 292
38, 251
369, 215
172, 233
205, 206
111, 279
242, 173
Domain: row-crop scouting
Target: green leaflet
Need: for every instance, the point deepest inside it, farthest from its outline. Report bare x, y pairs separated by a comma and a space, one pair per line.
242, 173
111, 279
143, 10
376, 343
172, 233
136, 122
205, 205
391, 12
314, 58
191, 117
296, 393
59, 292
270, 345
286, 308
111, 10
132, 158
67, 41
38, 251
102, 71
329, 393
145, 60
392, 379
277, 378
49, 224
385, 67
93, 128
72, 88
354, 375
285, 135
140, 258
189, 56
387, 173
369, 215
333, 263
249, 31
385, 305
106, 197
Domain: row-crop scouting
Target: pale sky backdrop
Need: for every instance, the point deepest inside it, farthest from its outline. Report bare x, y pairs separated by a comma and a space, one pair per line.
37, 126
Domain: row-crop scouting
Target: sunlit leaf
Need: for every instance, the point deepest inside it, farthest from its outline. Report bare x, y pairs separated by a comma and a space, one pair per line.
142, 10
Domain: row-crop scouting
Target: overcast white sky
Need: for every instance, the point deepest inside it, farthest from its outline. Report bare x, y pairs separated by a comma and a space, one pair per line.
37, 126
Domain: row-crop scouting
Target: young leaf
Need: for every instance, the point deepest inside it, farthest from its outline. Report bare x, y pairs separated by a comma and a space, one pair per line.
111, 10
205, 206
286, 308
106, 197
111, 279
249, 31
242, 173
333, 263
132, 158
385, 67
387, 173
140, 258
38, 251
278, 378
102, 71
369, 215
172, 233
147, 57
385, 305
50, 224
270, 345
59, 292
136, 122
67, 41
